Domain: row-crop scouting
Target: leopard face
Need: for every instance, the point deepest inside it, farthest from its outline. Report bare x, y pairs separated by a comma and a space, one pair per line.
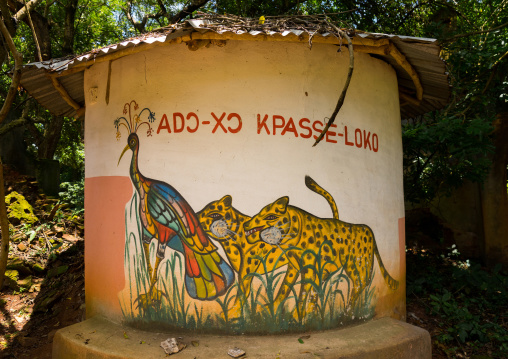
272, 223
216, 218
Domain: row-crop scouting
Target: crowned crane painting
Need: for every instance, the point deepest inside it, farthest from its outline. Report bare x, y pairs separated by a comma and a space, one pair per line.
167, 218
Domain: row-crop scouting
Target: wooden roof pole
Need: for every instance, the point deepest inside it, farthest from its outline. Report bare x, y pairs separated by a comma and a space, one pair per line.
391, 50
402, 61
80, 111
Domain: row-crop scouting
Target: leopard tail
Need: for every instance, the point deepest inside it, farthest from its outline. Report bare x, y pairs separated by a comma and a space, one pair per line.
313, 186
390, 282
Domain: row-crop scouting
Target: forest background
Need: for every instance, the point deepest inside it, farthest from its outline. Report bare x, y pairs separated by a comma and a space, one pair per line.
459, 151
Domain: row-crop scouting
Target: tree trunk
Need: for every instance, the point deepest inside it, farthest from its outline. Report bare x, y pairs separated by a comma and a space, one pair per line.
69, 29
48, 145
4, 228
495, 198
41, 27
4, 223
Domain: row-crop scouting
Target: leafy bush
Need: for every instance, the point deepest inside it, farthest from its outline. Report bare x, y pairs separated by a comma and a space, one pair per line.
73, 194
468, 301
71, 151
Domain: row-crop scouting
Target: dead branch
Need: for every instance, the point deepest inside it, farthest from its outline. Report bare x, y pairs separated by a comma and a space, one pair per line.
317, 23
12, 125
342, 96
34, 34
22, 121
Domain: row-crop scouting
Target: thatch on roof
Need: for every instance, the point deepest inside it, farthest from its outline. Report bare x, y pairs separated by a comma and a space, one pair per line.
318, 23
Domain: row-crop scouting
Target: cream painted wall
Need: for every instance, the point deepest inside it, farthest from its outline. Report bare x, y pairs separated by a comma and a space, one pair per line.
251, 78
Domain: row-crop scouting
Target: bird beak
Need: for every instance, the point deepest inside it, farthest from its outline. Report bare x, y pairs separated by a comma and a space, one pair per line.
125, 149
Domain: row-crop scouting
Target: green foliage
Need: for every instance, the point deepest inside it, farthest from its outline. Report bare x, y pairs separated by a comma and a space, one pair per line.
73, 194
18, 208
71, 151
32, 232
443, 149
96, 25
468, 301
442, 152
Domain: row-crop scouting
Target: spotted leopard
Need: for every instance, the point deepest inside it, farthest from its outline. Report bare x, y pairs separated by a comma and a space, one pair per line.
340, 244
223, 223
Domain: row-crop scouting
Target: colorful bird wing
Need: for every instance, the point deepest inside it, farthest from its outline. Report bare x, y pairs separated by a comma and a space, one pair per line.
170, 209
163, 211
180, 205
207, 275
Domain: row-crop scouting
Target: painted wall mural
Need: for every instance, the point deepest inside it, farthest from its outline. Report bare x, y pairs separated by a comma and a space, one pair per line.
282, 269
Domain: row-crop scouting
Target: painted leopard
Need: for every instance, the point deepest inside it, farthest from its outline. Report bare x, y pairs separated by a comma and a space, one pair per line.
223, 223
341, 244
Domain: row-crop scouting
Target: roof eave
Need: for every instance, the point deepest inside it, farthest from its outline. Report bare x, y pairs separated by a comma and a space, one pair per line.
423, 82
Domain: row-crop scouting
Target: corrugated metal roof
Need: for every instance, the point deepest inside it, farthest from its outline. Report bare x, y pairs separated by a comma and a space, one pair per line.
421, 53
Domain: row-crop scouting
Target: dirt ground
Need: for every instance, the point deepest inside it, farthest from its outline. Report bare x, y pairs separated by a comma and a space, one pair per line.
44, 286
31, 319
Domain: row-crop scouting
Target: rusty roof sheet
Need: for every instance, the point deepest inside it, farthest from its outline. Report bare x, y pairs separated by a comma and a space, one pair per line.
421, 53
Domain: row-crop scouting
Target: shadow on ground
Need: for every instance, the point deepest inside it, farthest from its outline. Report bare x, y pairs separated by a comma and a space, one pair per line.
59, 303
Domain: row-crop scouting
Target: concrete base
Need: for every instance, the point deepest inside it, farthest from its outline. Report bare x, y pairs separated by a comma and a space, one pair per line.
377, 339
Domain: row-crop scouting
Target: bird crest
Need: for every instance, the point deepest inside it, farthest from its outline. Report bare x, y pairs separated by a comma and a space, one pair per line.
134, 122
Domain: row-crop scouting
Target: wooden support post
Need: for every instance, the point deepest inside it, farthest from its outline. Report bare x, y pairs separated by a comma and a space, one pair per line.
65, 95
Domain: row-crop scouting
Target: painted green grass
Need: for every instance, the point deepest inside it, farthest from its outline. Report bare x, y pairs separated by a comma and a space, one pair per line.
176, 309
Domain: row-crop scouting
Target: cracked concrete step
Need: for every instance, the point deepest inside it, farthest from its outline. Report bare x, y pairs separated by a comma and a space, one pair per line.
385, 338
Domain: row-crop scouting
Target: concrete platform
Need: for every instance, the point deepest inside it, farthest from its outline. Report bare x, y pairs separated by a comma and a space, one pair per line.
377, 339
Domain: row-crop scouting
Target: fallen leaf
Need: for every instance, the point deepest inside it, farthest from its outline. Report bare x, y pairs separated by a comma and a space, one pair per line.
58, 229
125, 335
69, 238
195, 343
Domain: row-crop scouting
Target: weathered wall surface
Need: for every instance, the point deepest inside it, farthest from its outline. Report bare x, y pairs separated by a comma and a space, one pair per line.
240, 120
